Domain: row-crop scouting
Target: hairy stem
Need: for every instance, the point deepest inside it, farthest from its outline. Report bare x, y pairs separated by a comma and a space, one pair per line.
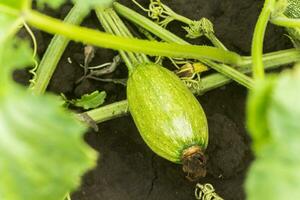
105, 40
286, 22
54, 52
274, 59
125, 56
208, 83
170, 37
114, 25
108, 112
258, 39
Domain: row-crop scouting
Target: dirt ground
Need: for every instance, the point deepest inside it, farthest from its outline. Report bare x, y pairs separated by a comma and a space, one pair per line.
127, 169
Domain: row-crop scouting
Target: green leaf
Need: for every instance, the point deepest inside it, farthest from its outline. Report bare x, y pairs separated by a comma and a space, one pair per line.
14, 53
12, 49
9, 23
15, 4
273, 178
10, 17
89, 101
273, 118
257, 109
42, 152
284, 114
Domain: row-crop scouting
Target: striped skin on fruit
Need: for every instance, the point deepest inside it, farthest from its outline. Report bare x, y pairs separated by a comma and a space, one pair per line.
168, 116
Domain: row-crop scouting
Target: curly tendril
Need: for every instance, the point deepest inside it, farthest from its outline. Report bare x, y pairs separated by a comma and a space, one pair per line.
206, 192
35, 66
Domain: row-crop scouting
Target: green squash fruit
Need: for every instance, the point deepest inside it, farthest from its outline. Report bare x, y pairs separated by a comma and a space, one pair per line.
168, 116
293, 11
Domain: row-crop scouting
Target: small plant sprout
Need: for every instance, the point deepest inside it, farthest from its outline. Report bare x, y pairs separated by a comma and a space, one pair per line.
87, 101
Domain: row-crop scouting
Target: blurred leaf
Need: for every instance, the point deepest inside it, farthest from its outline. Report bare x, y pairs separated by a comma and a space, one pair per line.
273, 118
273, 178
10, 18
89, 101
15, 4
257, 113
14, 53
42, 152
284, 115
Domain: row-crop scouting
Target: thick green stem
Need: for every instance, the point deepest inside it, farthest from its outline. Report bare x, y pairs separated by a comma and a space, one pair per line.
231, 73
114, 25
105, 40
286, 22
108, 29
215, 41
116, 31
274, 59
125, 31
258, 39
210, 82
120, 109
108, 112
170, 37
54, 52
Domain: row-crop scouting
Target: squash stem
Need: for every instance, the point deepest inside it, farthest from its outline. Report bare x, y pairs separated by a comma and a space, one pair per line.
106, 40
208, 83
170, 37
106, 113
54, 52
119, 23
126, 57
258, 39
114, 25
286, 22
104, 23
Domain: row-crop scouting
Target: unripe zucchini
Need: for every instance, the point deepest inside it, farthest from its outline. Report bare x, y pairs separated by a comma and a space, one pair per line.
293, 11
168, 116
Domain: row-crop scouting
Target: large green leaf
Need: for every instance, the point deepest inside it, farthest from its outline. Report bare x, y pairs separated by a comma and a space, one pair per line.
42, 152
257, 113
273, 117
284, 114
273, 178
14, 53
10, 16
9, 24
